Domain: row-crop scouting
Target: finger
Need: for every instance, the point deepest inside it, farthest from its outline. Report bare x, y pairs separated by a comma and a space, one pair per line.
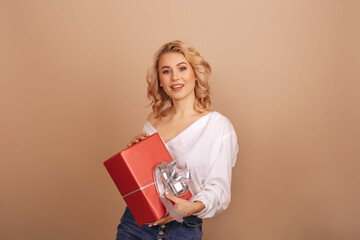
139, 138
132, 142
167, 221
144, 136
171, 197
163, 220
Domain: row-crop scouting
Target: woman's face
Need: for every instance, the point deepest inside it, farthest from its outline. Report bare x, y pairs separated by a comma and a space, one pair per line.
176, 75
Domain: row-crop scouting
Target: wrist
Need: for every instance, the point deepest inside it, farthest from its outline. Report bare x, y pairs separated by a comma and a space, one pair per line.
197, 206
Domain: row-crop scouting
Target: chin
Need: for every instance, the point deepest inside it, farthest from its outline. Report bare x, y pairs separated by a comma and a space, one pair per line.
178, 98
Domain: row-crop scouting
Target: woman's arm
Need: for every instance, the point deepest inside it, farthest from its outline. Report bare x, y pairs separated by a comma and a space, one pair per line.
182, 205
216, 191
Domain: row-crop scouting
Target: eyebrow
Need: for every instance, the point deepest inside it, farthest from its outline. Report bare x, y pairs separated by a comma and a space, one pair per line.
176, 65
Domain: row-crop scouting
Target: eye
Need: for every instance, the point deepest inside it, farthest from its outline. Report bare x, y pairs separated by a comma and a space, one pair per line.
166, 71
182, 68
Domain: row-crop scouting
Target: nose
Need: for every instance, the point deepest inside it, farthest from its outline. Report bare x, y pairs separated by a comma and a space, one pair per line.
175, 77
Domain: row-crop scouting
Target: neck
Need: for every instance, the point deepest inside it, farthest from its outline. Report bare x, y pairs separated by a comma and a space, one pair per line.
183, 107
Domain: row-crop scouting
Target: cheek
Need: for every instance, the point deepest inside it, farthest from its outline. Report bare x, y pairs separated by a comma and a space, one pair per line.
190, 78
191, 75
163, 79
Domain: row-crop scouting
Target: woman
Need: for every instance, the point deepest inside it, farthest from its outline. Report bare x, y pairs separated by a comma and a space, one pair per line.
202, 140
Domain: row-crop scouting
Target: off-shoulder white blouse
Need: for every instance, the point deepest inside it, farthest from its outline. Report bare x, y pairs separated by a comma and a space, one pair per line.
208, 147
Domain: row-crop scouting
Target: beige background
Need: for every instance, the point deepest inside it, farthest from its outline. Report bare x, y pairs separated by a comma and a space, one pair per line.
73, 93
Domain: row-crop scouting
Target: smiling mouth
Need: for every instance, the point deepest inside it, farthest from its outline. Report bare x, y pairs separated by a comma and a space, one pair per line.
177, 86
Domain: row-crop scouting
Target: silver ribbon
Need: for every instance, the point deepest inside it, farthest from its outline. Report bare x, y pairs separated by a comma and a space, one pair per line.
168, 178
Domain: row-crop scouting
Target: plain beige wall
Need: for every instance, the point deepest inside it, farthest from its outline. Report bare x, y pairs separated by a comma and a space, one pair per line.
73, 92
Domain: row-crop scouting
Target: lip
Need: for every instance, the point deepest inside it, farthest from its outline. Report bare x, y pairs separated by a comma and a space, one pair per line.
177, 89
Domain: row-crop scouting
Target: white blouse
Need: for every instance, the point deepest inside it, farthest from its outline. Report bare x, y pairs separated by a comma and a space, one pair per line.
208, 147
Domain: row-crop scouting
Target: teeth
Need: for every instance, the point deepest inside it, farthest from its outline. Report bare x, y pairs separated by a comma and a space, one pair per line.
177, 86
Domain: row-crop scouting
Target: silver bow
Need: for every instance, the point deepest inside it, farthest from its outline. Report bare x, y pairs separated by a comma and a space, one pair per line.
168, 178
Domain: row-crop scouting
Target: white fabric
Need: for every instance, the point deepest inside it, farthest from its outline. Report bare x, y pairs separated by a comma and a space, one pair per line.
208, 147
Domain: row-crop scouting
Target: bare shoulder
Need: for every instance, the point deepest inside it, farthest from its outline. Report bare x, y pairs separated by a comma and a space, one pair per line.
206, 113
152, 118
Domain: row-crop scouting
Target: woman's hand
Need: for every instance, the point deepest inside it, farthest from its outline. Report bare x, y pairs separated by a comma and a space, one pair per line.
137, 139
181, 205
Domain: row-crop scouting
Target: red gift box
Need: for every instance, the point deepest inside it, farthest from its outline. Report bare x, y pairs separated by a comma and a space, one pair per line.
132, 171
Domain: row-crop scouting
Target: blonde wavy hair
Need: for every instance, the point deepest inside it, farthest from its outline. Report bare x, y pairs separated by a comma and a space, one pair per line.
159, 100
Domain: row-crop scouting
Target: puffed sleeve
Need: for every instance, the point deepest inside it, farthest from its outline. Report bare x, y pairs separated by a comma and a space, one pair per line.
216, 190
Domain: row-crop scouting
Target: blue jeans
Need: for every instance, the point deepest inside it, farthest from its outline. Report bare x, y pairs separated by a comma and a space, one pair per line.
190, 228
